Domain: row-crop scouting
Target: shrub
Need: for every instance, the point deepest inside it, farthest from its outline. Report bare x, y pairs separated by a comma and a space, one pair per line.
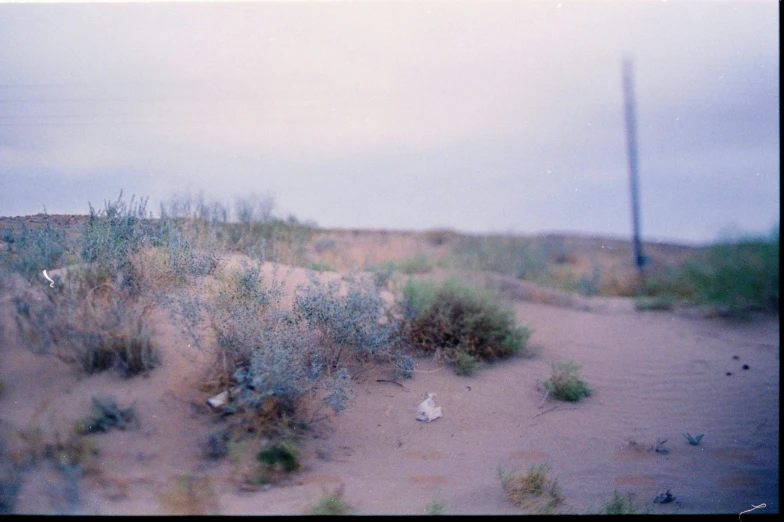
517, 257
331, 504
354, 321
523, 489
694, 441
31, 250
565, 384
110, 236
280, 456
460, 323
621, 505
95, 328
190, 496
737, 277
105, 415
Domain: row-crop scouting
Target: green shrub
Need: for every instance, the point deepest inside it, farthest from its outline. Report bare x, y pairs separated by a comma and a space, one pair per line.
462, 324
737, 277
565, 384
31, 250
514, 256
331, 504
418, 264
281, 456
94, 328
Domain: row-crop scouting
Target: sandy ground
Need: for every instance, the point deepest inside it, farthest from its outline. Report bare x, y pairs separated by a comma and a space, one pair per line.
655, 376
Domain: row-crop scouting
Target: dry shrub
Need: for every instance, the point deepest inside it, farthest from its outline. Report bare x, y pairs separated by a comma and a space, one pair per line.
190, 496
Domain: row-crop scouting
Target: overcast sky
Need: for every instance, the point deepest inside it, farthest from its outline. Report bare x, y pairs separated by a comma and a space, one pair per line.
477, 116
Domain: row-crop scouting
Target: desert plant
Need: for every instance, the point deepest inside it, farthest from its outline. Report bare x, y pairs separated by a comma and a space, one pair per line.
621, 505
31, 250
418, 264
281, 456
105, 415
518, 257
522, 488
694, 441
436, 507
737, 277
92, 327
565, 384
353, 322
456, 321
190, 496
331, 504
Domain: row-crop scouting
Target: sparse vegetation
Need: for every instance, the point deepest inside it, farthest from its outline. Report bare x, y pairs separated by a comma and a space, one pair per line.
621, 505
436, 507
190, 496
331, 504
105, 415
694, 441
461, 324
530, 489
565, 384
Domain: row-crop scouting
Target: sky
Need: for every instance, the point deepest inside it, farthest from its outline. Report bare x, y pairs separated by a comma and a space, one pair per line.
475, 116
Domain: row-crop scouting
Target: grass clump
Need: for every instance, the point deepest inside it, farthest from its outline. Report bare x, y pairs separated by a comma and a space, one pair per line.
106, 415
621, 505
462, 324
693, 440
331, 504
531, 489
436, 507
565, 384
738, 277
190, 496
276, 460
31, 250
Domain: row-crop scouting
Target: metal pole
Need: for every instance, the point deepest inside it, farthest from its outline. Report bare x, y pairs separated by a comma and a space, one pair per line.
631, 140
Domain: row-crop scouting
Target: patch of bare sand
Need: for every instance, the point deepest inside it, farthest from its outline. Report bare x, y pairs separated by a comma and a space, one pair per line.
655, 376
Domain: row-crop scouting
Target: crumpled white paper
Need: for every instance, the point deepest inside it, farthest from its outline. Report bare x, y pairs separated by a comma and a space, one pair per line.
427, 410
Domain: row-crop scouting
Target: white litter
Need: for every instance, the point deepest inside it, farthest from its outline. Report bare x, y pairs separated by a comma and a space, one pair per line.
427, 410
223, 398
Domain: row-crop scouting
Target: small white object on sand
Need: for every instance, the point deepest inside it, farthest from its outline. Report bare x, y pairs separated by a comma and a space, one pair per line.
427, 410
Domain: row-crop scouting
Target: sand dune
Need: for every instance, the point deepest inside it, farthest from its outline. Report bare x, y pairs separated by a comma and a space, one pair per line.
655, 376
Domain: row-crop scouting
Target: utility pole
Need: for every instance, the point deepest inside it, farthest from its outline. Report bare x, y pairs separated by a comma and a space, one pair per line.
631, 140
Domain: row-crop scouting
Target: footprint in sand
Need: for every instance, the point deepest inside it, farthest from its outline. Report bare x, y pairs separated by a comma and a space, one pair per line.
529, 455
424, 454
427, 480
635, 480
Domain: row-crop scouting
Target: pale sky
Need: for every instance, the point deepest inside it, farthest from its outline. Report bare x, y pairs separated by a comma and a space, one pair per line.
478, 116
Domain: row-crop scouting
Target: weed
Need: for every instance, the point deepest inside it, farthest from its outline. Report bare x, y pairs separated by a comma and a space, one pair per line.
418, 264
565, 384
331, 504
737, 277
517, 257
280, 457
190, 496
694, 441
436, 507
323, 267
465, 364
94, 328
31, 250
462, 324
105, 415
621, 505
531, 487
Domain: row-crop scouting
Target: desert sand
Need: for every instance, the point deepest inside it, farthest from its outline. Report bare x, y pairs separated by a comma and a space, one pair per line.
655, 376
